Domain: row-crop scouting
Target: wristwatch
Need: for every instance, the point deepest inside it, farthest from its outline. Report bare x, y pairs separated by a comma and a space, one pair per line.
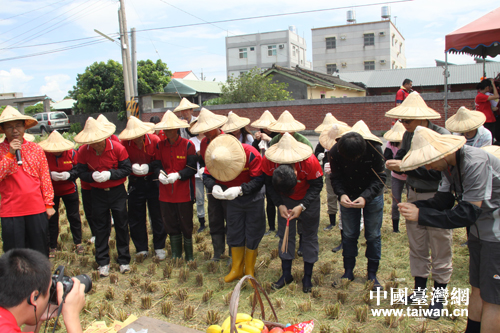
303, 207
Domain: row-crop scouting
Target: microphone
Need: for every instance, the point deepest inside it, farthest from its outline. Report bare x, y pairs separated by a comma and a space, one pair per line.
18, 157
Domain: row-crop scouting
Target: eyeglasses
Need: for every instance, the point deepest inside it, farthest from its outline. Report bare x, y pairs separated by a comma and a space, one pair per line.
10, 128
405, 121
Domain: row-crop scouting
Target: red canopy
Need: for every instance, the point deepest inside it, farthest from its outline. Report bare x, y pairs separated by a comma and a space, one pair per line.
481, 37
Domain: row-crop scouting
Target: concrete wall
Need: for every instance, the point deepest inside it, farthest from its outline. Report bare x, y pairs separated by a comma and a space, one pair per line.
316, 92
112, 117
370, 109
297, 89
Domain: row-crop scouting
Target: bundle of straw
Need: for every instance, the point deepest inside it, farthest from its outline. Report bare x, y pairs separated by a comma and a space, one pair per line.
284, 246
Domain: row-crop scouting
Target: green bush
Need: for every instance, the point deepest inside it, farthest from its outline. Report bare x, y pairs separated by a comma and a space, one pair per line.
75, 128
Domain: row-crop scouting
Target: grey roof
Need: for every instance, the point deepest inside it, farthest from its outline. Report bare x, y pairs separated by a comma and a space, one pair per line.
192, 87
426, 76
64, 104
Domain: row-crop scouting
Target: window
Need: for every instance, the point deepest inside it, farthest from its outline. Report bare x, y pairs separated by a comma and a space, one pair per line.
369, 65
157, 104
400, 46
294, 50
38, 117
331, 43
59, 115
252, 49
243, 53
45, 117
393, 37
369, 39
322, 95
331, 68
271, 50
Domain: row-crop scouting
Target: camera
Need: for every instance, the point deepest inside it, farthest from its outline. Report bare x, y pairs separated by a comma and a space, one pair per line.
67, 283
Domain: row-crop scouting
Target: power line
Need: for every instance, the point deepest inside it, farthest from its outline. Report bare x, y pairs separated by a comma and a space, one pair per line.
33, 10
60, 42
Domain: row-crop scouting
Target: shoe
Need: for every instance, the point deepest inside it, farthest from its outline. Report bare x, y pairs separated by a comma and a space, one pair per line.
435, 310
80, 249
306, 280
348, 274
281, 282
269, 232
176, 246
201, 228
219, 245
104, 271
237, 264
160, 254
372, 270
337, 249
349, 264
144, 254
286, 278
465, 244
250, 259
329, 227
188, 249
124, 269
52, 253
276, 235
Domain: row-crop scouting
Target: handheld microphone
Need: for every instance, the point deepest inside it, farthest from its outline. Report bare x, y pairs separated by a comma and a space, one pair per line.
18, 157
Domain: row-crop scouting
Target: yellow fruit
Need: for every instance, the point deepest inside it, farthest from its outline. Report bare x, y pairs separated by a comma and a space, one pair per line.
257, 323
214, 329
226, 324
248, 328
243, 317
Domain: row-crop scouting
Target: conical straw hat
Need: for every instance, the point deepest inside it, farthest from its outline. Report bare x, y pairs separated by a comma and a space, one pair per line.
361, 128
328, 122
493, 150
428, 146
225, 157
265, 120
93, 132
288, 150
413, 107
234, 122
103, 120
170, 121
465, 120
286, 123
27, 137
329, 136
11, 114
135, 129
207, 121
56, 143
395, 134
185, 105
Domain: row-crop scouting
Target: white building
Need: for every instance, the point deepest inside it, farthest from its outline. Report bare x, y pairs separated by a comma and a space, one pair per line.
358, 47
262, 50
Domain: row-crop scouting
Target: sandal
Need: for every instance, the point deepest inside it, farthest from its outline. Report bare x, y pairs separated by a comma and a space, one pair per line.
52, 253
80, 249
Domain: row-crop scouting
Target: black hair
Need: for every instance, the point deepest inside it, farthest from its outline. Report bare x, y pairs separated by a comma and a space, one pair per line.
23, 271
154, 119
395, 144
406, 81
284, 179
351, 146
244, 133
484, 84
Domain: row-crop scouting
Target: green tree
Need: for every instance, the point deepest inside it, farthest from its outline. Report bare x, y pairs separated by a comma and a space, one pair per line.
250, 87
33, 109
100, 87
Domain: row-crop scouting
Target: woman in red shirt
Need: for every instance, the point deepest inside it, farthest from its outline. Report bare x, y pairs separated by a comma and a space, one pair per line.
482, 102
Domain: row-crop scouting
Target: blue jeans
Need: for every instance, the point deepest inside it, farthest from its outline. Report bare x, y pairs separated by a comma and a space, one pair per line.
351, 217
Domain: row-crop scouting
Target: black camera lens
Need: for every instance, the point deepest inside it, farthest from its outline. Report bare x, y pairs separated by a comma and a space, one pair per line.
67, 283
86, 281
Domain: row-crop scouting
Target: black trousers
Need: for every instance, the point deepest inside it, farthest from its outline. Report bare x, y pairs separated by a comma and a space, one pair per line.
178, 218
142, 192
31, 231
113, 199
271, 212
72, 204
246, 220
217, 211
87, 208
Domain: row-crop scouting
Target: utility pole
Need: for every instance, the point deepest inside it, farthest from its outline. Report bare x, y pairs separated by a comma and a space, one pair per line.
127, 68
134, 61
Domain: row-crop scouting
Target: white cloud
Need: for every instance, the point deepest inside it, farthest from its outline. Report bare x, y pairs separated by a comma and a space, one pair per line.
14, 80
56, 86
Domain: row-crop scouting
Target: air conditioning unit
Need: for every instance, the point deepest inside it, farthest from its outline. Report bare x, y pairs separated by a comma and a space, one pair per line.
382, 61
282, 46
344, 64
342, 38
381, 34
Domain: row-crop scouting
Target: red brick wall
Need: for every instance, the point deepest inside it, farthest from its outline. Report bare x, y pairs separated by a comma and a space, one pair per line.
312, 112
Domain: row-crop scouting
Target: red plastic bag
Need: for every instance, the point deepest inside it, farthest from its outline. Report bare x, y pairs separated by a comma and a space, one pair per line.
304, 327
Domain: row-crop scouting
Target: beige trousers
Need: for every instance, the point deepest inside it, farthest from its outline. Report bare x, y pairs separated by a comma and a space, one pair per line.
422, 239
331, 196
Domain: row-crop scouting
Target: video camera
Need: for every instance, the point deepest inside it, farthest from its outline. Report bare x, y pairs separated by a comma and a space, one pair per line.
67, 283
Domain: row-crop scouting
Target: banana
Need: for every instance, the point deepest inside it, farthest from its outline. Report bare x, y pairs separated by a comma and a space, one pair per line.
248, 328
243, 317
257, 323
226, 325
214, 329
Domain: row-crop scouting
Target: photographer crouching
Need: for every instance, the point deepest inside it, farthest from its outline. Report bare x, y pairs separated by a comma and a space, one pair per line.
27, 288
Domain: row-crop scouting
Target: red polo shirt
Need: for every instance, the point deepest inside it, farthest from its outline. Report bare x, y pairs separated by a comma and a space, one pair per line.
306, 170
252, 168
65, 162
112, 154
25, 189
173, 158
204, 144
401, 95
8, 323
483, 105
114, 138
145, 155
161, 135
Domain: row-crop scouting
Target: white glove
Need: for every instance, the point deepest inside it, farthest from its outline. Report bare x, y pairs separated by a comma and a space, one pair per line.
64, 175
105, 176
173, 177
328, 170
232, 192
55, 176
145, 169
136, 169
163, 179
96, 175
201, 172
218, 193
321, 156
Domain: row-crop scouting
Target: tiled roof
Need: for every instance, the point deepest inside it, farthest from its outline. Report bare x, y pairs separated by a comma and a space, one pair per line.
180, 75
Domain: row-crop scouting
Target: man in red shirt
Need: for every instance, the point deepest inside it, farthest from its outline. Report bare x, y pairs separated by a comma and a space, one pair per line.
176, 165
404, 91
26, 190
234, 173
142, 189
209, 124
486, 92
62, 165
294, 180
105, 165
26, 280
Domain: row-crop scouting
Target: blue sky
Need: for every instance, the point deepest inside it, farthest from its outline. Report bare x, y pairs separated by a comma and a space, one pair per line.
26, 24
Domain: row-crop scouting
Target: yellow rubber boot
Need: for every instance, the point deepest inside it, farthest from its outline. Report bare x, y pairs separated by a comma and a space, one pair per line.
250, 258
237, 265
